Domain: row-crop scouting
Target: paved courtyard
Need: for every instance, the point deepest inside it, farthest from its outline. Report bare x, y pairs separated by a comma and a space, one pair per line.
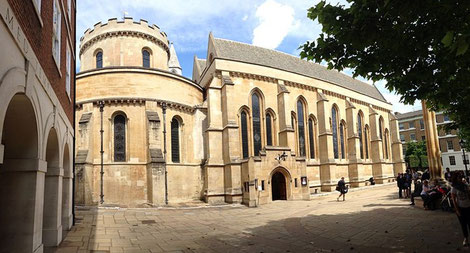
371, 220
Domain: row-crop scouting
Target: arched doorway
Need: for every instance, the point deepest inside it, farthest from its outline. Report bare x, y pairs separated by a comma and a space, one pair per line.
21, 179
278, 186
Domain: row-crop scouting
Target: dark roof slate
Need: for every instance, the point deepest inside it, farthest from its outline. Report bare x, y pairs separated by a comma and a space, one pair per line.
232, 50
202, 64
409, 114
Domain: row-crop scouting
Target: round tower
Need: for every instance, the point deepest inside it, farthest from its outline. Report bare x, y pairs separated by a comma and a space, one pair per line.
139, 120
124, 43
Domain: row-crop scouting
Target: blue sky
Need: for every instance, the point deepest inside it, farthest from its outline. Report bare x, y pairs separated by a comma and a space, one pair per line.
276, 24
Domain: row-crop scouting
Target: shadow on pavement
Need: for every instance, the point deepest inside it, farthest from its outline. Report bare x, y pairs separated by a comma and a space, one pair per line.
395, 229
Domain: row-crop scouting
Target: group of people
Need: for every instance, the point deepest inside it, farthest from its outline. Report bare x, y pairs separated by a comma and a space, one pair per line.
460, 194
433, 191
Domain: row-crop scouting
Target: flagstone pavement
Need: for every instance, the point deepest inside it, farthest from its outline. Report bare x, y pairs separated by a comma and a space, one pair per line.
371, 220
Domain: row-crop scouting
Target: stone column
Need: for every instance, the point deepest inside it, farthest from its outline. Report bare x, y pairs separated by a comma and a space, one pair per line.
432, 142
286, 132
52, 222
67, 218
325, 144
397, 147
231, 140
355, 162
21, 215
376, 147
214, 167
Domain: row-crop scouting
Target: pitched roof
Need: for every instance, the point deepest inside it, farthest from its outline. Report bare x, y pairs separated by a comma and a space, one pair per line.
202, 64
409, 114
237, 51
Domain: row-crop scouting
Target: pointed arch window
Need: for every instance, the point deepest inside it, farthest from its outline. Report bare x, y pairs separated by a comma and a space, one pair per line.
99, 60
269, 130
311, 137
244, 128
359, 131
386, 144
366, 139
341, 137
255, 103
119, 138
145, 58
380, 128
301, 128
175, 140
334, 125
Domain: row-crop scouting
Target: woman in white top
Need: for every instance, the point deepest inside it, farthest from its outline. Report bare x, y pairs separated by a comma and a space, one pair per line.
461, 198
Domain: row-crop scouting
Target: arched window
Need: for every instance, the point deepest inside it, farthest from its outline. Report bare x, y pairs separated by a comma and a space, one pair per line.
256, 118
386, 143
269, 130
341, 137
311, 138
175, 140
99, 60
145, 58
380, 128
301, 128
334, 126
119, 138
366, 140
244, 128
359, 131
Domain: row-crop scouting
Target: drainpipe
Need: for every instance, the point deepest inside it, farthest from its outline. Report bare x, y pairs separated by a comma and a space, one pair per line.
164, 152
101, 105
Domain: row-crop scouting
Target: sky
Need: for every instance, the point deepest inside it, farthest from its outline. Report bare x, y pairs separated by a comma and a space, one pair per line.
275, 24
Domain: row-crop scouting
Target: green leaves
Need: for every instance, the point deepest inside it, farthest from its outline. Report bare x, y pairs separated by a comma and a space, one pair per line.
462, 47
447, 40
421, 48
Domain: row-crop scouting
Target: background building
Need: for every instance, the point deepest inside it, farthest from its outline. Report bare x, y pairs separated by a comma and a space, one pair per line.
254, 125
36, 122
411, 127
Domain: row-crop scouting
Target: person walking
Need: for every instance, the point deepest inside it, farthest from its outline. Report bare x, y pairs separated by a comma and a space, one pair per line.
400, 185
342, 188
407, 184
461, 199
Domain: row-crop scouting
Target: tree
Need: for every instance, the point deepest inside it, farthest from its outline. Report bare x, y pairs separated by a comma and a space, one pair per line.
416, 154
419, 47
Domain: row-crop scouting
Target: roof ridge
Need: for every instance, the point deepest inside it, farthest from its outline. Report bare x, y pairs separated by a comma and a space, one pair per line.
249, 53
298, 58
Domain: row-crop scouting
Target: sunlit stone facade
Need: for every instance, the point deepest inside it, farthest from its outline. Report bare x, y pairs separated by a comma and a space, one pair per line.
252, 126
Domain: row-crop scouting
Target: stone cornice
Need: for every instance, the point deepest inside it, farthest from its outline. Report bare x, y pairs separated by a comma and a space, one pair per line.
296, 85
128, 33
136, 69
137, 100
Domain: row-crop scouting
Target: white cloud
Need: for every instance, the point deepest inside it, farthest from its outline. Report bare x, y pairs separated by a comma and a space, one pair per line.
276, 20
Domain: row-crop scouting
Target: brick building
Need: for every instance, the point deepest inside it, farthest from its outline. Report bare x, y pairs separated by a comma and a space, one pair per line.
411, 126
37, 64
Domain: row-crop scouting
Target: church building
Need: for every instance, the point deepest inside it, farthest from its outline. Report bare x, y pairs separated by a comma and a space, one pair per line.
252, 126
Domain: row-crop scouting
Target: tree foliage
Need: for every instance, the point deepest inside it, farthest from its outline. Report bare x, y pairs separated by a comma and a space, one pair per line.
416, 154
420, 47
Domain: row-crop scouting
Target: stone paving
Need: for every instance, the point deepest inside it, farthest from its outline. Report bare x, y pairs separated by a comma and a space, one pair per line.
372, 220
